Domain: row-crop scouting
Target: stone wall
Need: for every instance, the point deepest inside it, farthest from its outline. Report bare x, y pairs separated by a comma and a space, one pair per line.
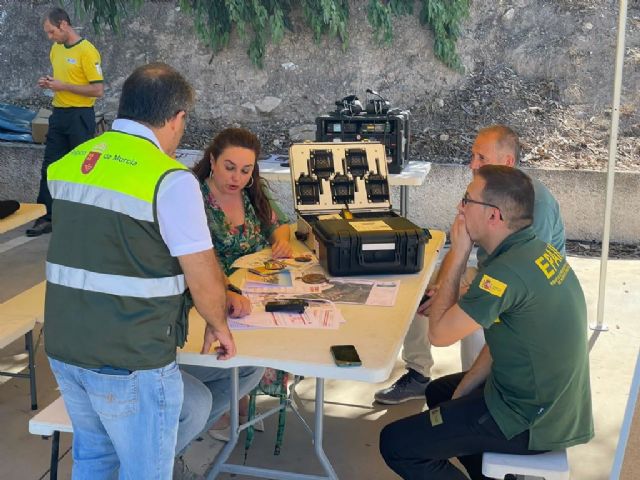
581, 195
570, 43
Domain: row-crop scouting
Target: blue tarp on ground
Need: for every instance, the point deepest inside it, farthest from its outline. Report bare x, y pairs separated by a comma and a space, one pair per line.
15, 123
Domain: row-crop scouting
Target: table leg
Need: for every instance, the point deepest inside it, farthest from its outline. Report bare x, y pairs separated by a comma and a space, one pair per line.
32, 369
318, 430
404, 200
234, 418
220, 466
55, 451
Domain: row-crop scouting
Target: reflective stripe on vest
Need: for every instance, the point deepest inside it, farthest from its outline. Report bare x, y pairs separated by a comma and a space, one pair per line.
103, 198
119, 285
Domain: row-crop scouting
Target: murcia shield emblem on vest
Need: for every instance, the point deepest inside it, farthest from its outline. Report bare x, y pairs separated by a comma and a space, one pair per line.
92, 158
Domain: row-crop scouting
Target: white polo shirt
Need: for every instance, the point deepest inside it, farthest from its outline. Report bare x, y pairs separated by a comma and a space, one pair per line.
183, 223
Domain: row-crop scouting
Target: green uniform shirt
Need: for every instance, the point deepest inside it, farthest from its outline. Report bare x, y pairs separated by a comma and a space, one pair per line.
531, 306
547, 222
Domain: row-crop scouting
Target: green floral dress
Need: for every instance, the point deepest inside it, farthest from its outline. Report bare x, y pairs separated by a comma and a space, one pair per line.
230, 243
233, 241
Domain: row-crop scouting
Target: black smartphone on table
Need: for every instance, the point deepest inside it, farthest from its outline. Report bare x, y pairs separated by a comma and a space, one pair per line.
292, 305
345, 356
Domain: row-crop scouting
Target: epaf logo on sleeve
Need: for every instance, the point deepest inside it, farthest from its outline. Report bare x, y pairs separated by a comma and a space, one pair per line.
492, 286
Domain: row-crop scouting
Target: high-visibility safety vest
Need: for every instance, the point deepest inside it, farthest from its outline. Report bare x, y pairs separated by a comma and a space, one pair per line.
115, 296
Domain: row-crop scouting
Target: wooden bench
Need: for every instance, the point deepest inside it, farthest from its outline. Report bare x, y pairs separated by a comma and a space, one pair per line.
29, 303
27, 213
49, 423
12, 327
17, 317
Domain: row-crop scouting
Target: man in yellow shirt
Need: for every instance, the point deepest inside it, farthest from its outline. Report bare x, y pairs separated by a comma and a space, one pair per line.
76, 83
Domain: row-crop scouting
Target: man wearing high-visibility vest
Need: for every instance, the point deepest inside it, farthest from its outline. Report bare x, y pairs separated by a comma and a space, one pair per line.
130, 237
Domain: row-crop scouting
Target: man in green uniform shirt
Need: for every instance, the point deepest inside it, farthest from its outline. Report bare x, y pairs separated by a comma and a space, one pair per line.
528, 391
494, 145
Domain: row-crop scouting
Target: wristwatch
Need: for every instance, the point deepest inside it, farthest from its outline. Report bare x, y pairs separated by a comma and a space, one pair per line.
232, 288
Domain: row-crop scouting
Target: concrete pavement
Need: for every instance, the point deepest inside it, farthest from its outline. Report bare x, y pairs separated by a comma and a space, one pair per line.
352, 421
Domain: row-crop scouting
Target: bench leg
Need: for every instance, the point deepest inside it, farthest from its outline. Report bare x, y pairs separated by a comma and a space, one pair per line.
32, 369
55, 450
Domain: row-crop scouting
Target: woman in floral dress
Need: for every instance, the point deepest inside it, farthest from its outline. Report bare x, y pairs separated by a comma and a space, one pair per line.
242, 215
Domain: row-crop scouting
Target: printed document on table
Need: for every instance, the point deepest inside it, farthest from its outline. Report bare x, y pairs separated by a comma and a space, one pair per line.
320, 316
298, 287
384, 294
257, 259
357, 291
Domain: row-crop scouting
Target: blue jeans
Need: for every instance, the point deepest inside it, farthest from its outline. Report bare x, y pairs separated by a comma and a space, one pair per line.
123, 425
207, 391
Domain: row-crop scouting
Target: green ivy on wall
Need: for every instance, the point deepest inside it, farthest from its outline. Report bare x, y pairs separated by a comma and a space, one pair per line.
261, 21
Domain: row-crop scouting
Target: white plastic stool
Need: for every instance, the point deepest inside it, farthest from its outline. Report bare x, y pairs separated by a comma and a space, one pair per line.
550, 465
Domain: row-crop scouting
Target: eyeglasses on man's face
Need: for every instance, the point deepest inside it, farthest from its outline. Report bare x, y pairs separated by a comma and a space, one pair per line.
466, 200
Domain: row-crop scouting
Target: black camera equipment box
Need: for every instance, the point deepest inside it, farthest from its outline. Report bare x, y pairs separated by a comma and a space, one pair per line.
390, 129
341, 196
384, 245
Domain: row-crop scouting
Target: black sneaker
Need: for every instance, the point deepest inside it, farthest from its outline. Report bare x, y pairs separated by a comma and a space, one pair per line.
410, 386
41, 226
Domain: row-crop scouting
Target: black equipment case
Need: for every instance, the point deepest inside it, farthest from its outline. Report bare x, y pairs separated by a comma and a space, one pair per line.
390, 129
342, 198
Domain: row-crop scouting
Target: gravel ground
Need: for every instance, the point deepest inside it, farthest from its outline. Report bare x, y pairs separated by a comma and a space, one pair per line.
553, 135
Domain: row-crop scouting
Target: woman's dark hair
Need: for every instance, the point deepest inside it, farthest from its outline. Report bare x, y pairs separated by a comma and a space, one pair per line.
239, 137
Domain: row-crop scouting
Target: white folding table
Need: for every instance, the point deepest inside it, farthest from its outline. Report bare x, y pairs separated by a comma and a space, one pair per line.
376, 332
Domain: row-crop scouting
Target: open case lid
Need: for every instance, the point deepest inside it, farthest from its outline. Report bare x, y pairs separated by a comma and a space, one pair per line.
326, 176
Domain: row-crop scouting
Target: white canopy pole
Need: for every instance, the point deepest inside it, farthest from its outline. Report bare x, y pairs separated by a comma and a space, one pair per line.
613, 147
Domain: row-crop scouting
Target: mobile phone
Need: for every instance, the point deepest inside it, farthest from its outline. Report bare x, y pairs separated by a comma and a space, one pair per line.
345, 355
293, 305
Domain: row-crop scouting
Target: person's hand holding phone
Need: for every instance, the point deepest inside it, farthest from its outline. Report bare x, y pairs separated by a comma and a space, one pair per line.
427, 300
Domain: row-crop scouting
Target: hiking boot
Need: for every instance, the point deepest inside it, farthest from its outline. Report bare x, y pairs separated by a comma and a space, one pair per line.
182, 472
42, 225
410, 386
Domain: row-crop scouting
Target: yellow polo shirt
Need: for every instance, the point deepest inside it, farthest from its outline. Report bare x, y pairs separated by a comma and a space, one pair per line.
78, 64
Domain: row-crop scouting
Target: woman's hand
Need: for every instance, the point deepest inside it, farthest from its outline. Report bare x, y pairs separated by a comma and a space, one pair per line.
238, 305
281, 249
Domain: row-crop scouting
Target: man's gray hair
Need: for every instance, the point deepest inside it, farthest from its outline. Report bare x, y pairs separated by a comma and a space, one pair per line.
507, 139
